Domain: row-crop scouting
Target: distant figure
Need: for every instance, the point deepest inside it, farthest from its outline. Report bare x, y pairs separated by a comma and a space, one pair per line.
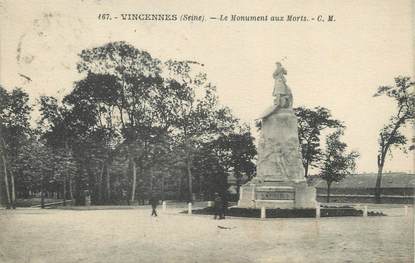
219, 207
154, 202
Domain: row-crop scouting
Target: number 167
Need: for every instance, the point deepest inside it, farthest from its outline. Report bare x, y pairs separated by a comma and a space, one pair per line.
104, 16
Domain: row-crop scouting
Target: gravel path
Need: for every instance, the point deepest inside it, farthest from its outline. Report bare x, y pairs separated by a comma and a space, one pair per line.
131, 235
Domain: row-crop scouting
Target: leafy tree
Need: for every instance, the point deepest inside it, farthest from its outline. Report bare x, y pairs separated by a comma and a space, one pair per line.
336, 163
59, 135
36, 166
4, 185
136, 78
128, 118
390, 135
94, 101
311, 122
213, 178
237, 152
198, 116
14, 131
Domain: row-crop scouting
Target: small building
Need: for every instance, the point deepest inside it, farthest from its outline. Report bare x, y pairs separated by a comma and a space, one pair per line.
395, 188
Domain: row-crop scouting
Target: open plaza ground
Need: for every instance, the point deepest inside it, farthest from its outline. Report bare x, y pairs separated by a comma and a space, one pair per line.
132, 235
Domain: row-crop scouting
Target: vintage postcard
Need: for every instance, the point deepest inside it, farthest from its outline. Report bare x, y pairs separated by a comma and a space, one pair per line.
206, 131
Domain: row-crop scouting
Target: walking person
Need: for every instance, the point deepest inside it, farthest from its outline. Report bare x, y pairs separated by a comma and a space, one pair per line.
218, 207
154, 202
224, 207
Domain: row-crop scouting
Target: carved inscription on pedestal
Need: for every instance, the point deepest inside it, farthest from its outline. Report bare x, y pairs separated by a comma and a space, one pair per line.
275, 195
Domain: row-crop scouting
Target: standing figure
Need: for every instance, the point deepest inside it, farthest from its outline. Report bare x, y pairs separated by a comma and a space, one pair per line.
218, 207
154, 202
283, 97
224, 207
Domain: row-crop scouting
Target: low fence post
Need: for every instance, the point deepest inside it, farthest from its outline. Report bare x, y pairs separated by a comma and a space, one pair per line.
164, 205
263, 213
210, 204
365, 211
317, 210
189, 208
406, 210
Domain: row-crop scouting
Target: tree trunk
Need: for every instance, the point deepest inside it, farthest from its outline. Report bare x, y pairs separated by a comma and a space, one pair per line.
1, 192
42, 193
13, 191
141, 195
77, 187
328, 191
162, 187
134, 180
189, 175
200, 188
238, 186
6, 181
378, 184
100, 188
108, 183
70, 189
64, 190
151, 179
179, 188
65, 178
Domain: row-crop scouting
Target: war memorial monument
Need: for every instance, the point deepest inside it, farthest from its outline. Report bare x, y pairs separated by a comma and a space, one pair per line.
280, 181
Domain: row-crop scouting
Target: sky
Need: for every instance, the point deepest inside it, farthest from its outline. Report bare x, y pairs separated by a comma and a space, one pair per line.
337, 65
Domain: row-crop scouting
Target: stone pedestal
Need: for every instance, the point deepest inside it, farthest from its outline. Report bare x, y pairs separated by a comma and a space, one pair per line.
305, 196
280, 181
277, 195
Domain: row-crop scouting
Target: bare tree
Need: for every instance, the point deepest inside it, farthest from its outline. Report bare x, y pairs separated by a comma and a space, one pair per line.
390, 136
